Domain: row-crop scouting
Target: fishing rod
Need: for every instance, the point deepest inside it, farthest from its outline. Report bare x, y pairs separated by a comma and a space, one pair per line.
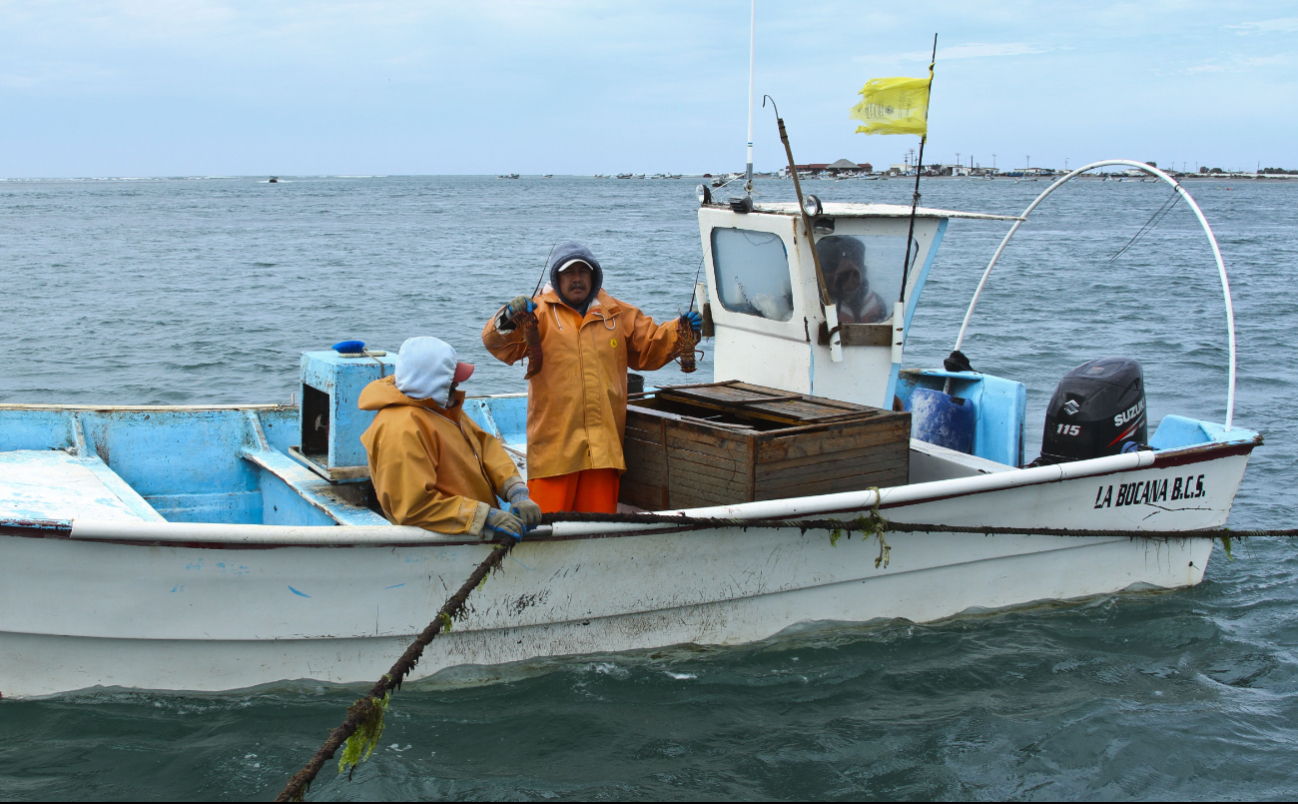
545, 265
825, 302
531, 329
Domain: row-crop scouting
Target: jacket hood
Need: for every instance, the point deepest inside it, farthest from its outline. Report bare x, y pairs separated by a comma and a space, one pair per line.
383, 393
426, 369
572, 250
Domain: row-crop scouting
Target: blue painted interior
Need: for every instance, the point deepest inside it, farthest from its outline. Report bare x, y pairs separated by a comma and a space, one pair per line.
1175, 432
190, 465
232, 465
1000, 408
503, 416
343, 379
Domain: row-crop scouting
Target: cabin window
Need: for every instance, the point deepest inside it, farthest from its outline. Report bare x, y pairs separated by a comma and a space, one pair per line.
752, 273
863, 274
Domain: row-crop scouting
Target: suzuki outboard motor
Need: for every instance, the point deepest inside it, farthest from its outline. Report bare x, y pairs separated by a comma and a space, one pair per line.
1098, 409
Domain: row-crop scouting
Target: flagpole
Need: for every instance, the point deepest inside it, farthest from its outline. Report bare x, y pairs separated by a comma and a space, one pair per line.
919, 171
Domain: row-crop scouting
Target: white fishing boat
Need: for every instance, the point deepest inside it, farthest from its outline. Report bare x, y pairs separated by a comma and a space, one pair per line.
219, 547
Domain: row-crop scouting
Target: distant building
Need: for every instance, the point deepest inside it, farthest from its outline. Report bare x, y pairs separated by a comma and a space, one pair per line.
950, 170
836, 168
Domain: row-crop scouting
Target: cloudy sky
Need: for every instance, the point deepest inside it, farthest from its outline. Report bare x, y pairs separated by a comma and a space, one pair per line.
221, 87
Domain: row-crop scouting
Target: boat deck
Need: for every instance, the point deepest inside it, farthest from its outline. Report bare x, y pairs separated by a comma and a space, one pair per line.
53, 484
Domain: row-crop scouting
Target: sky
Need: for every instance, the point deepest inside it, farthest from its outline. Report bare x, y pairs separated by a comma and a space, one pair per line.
93, 88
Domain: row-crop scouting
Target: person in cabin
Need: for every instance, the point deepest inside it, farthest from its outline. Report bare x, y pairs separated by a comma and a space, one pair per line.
843, 261
576, 403
431, 465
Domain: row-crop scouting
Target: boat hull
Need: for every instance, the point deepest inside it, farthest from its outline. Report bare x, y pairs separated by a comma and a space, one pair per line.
77, 614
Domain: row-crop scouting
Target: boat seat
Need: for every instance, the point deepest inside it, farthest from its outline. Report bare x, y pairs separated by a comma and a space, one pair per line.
53, 484
318, 493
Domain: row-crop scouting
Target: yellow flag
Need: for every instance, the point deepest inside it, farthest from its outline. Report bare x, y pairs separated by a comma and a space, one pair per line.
893, 106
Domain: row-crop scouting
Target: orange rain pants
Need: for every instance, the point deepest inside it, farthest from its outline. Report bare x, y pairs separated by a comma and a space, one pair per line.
590, 491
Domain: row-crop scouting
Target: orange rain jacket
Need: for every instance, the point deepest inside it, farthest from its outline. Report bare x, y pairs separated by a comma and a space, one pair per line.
576, 405
432, 467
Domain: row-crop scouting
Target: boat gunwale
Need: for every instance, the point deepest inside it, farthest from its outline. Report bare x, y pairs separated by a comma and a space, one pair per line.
270, 406
141, 408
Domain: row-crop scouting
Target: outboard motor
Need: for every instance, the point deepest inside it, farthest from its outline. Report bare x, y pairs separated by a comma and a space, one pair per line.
1098, 409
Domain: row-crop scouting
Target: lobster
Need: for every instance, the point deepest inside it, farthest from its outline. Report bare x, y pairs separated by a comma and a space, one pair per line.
532, 335
686, 341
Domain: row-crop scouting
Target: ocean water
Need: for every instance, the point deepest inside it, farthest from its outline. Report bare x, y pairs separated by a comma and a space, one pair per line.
190, 290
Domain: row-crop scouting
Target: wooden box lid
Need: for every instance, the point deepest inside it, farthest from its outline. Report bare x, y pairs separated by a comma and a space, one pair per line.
769, 405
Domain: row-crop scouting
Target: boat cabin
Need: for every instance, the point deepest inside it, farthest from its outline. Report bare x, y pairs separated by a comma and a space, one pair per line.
773, 312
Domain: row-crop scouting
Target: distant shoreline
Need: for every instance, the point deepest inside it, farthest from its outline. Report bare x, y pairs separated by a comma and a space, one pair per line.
286, 178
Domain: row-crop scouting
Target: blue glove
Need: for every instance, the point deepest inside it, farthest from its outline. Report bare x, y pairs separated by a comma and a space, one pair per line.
520, 304
516, 305
695, 321
505, 523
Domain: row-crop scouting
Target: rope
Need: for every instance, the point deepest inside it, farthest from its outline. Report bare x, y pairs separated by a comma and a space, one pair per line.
1150, 224
698, 523
366, 715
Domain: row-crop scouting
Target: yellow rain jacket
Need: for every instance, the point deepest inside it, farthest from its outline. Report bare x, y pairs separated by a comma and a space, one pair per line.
576, 405
432, 467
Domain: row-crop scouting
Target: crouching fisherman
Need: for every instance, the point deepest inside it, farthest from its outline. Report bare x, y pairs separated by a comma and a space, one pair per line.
576, 403
431, 465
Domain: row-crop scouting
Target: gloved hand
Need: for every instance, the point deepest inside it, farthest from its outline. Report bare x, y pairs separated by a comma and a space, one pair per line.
505, 524
695, 320
516, 305
521, 506
520, 304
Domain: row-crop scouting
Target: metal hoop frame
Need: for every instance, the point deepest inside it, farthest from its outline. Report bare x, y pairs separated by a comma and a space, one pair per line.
1198, 213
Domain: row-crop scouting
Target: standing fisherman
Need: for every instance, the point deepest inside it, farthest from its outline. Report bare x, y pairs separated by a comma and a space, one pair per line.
576, 402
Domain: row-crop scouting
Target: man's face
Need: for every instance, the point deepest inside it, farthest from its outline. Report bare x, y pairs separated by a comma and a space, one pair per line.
574, 283
846, 277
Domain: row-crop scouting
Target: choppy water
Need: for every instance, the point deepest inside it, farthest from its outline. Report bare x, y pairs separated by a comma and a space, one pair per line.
188, 290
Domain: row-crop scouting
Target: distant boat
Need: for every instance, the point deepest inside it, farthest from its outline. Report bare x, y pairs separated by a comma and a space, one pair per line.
508, 176
273, 180
548, 176
625, 176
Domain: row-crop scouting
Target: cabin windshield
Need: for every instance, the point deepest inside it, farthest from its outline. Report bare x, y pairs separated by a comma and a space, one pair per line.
863, 274
752, 273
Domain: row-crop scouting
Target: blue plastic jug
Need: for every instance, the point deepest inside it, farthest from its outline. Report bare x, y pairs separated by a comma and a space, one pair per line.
941, 419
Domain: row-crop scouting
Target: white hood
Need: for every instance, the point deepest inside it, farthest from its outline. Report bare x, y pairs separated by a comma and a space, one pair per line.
426, 368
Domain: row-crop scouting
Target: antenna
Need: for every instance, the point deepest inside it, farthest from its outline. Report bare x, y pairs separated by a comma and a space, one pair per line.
752, 53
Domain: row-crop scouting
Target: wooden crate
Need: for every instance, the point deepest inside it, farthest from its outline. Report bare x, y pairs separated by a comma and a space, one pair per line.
731, 442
